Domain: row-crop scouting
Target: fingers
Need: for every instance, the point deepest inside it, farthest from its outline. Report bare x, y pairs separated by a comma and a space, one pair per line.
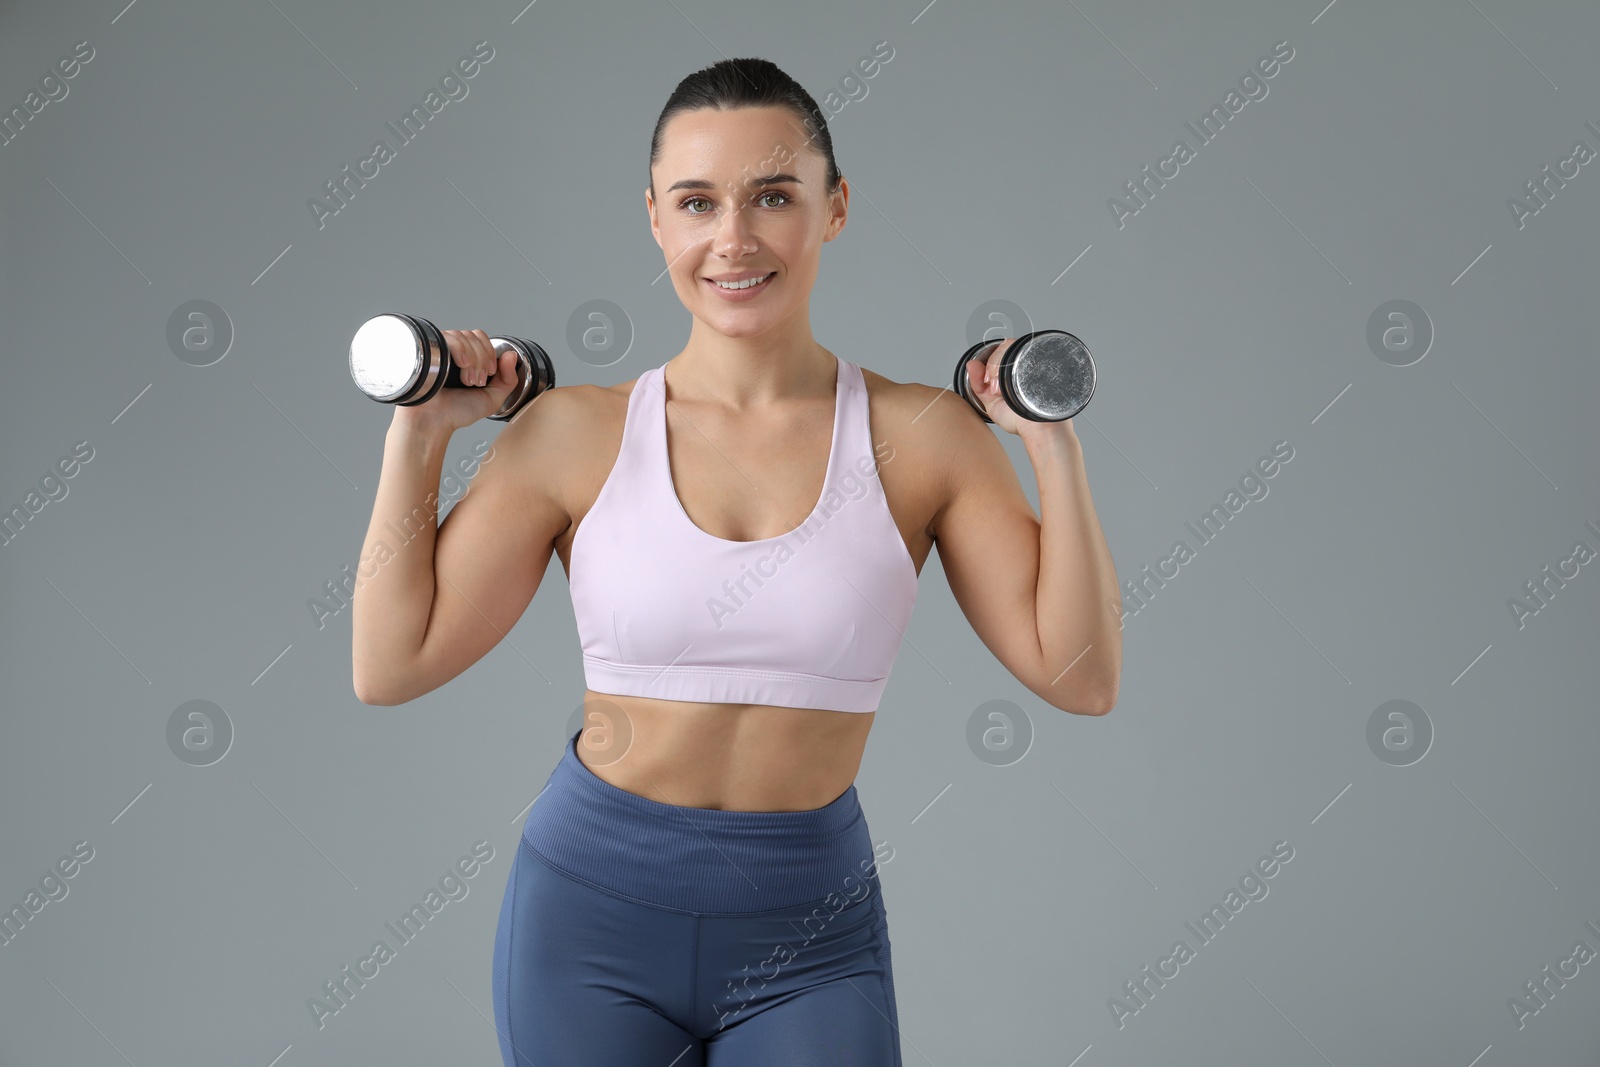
459, 343
980, 374
486, 358
506, 368
473, 355
501, 373
990, 375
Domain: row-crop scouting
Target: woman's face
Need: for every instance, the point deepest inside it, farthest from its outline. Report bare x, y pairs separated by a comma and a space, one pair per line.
742, 194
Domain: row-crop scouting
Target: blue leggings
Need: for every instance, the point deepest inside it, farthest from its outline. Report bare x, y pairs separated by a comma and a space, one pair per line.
640, 934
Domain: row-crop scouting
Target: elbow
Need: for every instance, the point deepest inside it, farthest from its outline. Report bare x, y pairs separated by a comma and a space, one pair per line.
1097, 681
1105, 694
367, 696
1091, 697
1107, 691
1091, 704
373, 694
362, 685
382, 680
1095, 707
1103, 705
1095, 702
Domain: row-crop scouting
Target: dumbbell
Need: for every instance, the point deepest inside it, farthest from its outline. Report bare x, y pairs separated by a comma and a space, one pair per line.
403, 359
1045, 376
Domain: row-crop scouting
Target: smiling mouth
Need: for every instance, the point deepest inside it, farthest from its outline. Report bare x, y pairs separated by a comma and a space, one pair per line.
745, 287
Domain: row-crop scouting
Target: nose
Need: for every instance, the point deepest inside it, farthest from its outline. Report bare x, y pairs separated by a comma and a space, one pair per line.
733, 237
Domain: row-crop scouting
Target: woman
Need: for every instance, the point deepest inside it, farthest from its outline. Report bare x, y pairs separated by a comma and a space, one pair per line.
696, 884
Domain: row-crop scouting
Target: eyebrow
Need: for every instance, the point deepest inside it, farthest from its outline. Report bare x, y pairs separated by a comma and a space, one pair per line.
701, 183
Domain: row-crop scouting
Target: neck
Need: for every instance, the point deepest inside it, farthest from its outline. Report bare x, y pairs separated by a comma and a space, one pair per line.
738, 372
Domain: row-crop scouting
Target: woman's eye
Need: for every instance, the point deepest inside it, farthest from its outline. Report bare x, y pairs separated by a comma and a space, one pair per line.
688, 205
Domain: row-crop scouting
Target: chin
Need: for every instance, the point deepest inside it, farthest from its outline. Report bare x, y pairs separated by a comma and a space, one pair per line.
738, 325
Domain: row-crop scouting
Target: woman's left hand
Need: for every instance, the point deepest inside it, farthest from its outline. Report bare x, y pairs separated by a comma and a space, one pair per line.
983, 377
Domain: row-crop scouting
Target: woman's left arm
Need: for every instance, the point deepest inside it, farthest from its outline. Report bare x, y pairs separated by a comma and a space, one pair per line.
1040, 592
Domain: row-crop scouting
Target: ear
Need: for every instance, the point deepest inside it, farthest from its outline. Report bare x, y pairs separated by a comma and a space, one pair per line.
655, 223
839, 210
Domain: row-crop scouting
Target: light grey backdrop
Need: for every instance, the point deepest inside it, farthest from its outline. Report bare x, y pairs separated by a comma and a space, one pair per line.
1441, 458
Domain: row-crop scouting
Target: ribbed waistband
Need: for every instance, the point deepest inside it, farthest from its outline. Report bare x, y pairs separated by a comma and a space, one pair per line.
697, 860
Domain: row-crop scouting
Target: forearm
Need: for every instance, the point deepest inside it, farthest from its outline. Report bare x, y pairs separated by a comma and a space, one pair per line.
395, 579
1080, 630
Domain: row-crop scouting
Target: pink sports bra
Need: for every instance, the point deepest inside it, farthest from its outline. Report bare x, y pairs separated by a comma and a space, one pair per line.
812, 618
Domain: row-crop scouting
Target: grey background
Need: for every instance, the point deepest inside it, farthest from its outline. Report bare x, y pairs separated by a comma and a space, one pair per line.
1229, 314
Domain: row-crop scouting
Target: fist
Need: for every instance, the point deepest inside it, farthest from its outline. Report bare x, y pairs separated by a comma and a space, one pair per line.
983, 377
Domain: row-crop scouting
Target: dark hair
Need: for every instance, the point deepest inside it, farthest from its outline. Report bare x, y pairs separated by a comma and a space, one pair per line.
749, 82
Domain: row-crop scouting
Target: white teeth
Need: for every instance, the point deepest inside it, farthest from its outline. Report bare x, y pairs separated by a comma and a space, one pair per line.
747, 283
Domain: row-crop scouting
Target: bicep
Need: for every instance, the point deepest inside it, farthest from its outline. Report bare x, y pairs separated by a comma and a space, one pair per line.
988, 540
492, 550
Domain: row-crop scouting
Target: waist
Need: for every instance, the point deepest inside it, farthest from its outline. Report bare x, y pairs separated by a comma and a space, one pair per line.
745, 757
697, 860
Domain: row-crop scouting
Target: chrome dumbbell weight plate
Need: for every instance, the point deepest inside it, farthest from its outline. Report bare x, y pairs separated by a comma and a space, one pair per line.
1045, 376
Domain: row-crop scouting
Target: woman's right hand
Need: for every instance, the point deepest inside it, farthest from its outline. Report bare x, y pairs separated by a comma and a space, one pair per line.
491, 377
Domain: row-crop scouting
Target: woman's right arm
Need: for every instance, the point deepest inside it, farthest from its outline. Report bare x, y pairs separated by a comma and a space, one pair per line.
433, 599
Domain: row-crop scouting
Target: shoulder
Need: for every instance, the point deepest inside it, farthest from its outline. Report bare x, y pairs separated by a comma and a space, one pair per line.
935, 404
554, 417
953, 445
572, 417
566, 433
932, 419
